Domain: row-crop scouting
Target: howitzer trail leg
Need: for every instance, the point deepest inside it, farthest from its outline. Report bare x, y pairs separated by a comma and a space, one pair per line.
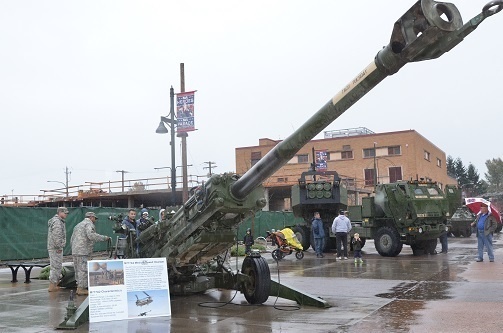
302, 298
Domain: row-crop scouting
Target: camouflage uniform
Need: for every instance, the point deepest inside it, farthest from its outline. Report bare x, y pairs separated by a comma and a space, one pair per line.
83, 238
56, 241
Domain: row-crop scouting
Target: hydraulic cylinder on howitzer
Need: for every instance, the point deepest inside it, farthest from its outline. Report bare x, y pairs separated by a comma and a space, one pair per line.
426, 31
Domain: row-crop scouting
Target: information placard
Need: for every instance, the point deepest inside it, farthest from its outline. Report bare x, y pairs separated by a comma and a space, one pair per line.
128, 288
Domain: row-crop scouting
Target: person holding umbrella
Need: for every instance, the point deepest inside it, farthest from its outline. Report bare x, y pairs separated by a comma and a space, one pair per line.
485, 224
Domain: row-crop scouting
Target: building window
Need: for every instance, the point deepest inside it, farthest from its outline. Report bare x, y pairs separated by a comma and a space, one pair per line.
395, 174
282, 179
346, 147
347, 155
255, 157
394, 150
439, 162
369, 152
369, 177
303, 158
426, 155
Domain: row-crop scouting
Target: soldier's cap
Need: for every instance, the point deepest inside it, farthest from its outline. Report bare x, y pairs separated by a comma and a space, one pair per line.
91, 214
63, 210
341, 212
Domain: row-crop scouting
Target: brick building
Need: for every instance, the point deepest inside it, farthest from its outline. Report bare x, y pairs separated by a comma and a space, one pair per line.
354, 154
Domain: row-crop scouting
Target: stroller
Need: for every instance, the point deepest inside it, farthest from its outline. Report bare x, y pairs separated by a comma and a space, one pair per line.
286, 243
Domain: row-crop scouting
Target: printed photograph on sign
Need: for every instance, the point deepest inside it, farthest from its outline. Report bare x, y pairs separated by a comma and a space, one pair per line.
148, 303
185, 111
106, 273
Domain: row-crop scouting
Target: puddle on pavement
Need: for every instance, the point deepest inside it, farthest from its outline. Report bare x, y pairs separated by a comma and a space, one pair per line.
396, 316
424, 290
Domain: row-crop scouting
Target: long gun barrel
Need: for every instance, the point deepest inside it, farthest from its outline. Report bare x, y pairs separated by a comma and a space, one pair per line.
426, 31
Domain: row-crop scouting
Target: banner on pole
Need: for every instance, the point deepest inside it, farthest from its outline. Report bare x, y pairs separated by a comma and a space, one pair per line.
321, 160
185, 111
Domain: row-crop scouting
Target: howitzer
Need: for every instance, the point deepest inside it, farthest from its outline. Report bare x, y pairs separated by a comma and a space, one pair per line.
204, 228
206, 225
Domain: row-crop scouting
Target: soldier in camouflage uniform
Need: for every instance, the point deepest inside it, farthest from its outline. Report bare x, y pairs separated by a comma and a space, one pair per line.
83, 238
56, 241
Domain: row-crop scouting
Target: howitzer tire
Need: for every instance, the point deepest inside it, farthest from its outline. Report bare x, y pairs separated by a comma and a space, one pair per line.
499, 227
299, 254
456, 233
303, 235
258, 287
387, 242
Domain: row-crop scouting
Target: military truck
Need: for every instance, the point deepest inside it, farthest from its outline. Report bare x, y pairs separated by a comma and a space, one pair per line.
414, 213
317, 191
405, 212
460, 222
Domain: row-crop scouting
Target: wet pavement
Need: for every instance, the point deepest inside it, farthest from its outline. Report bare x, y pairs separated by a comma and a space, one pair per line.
432, 293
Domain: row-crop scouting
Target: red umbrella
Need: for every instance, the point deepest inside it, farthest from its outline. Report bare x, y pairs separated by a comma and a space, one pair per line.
473, 204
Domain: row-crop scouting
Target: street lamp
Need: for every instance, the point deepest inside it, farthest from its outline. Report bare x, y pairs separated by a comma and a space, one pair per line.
65, 185
161, 129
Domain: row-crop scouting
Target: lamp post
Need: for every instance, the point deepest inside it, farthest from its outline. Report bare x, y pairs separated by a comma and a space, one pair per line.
65, 185
161, 129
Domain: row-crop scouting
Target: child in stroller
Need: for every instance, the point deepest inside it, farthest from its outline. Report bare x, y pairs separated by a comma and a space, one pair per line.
286, 243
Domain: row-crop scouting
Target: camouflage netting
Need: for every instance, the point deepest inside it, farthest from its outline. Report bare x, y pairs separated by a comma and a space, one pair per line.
23, 233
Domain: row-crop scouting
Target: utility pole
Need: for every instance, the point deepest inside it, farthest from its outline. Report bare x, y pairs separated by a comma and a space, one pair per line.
123, 172
184, 135
210, 166
66, 182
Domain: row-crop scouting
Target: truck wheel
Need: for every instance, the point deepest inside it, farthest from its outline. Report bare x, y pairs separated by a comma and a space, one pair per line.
468, 231
303, 235
417, 250
258, 285
456, 233
387, 242
430, 246
499, 227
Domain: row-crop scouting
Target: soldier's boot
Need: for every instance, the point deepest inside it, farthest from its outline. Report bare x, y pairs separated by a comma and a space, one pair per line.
82, 291
53, 287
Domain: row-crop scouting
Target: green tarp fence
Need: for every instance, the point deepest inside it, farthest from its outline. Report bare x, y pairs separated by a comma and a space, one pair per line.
264, 221
23, 230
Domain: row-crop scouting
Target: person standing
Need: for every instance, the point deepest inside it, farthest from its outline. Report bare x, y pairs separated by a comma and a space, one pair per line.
83, 238
318, 234
485, 224
248, 241
341, 227
357, 247
56, 241
129, 222
444, 242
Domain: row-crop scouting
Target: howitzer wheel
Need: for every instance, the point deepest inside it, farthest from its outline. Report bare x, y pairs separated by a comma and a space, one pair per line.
258, 287
387, 242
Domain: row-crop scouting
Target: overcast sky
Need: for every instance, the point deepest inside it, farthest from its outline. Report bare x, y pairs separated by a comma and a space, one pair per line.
83, 83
